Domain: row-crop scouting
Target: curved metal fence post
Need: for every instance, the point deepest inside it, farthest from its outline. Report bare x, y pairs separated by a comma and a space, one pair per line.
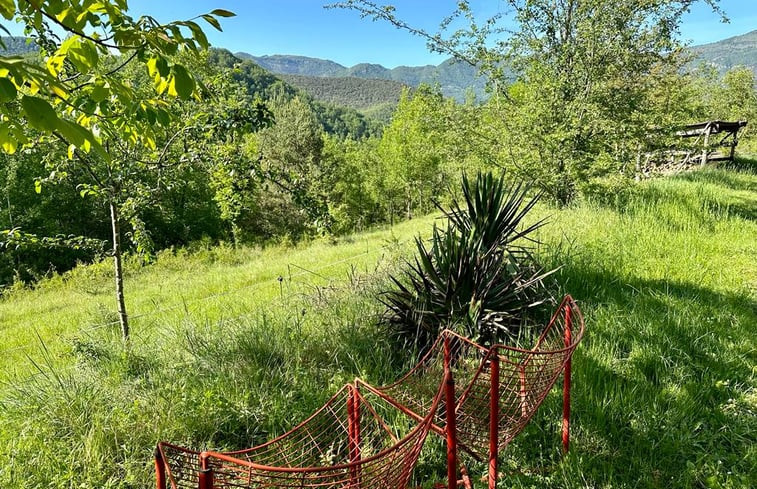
566, 381
493, 418
451, 427
205, 479
160, 470
353, 429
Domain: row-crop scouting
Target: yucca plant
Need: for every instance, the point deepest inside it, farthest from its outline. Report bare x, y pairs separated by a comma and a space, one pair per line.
478, 276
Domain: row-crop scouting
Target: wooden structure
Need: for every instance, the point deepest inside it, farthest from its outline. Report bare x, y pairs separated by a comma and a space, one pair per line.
722, 149
698, 144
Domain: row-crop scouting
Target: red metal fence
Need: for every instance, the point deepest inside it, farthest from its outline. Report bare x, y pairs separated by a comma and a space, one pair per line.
477, 398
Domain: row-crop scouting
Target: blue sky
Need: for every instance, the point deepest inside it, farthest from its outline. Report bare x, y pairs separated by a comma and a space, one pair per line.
305, 28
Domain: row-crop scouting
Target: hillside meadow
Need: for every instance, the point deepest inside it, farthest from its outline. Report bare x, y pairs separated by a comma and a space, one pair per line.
232, 346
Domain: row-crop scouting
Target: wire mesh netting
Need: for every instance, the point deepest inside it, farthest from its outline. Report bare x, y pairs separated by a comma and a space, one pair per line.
371, 437
355, 440
524, 379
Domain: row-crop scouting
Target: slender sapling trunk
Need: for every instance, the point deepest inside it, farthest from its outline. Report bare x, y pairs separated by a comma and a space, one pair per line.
122, 316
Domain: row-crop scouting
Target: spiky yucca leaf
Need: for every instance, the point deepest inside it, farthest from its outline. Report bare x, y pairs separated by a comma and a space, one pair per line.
477, 277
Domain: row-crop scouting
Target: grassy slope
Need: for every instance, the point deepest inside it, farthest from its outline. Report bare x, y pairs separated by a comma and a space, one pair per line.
665, 392
215, 284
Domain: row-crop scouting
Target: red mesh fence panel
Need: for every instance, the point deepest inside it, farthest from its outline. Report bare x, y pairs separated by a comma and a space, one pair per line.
415, 391
355, 440
371, 437
525, 379
182, 465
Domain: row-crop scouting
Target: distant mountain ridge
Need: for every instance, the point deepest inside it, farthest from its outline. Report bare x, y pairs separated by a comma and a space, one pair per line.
15, 45
454, 78
730, 52
357, 93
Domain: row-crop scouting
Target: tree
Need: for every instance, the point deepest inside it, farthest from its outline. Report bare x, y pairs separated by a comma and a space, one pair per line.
582, 73
354, 173
410, 155
110, 126
25, 256
736, 99
291, 155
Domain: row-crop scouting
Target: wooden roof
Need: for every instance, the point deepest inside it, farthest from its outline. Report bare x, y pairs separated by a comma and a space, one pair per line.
715, 127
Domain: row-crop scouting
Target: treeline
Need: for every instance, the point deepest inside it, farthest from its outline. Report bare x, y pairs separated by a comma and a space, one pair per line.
304, 168
217, 181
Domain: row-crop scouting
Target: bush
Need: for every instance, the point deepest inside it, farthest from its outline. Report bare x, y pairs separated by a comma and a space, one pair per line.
478, 276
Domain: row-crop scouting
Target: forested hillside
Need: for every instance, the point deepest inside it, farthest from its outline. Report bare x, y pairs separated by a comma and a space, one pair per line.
456, 79
17, 45
53, 229
357, 93
296, 65
731, 52
337, 119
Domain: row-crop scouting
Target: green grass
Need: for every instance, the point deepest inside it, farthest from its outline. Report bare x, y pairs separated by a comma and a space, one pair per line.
224, 355
214, 284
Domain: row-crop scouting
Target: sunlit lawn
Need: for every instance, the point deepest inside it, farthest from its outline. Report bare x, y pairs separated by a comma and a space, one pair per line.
225, 355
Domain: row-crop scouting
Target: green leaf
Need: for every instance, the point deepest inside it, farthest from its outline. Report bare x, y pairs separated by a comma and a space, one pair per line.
8, 90
38, 186
157, 67
8, 142
219, 12
151, 66
81, 137
83, 54
212, 21
198, 35
99, 93
7, 8
39, 113
182, 84
164, 118
71, 132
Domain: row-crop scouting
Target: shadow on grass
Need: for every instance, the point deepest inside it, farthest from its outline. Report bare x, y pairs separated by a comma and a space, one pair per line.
734, 179
661, 388
743, 162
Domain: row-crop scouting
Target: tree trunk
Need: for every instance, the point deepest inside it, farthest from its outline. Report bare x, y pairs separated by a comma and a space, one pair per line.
123, 318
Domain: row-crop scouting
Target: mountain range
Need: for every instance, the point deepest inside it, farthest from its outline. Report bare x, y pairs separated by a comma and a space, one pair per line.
734, 51
17, 45
458, 79
374, 89
455, 78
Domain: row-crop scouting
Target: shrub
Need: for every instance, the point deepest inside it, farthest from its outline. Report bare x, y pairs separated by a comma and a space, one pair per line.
478, 275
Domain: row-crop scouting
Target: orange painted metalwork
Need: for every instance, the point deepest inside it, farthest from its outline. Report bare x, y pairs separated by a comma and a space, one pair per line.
353, 414
206, 475
489, 396
526, 377
566, 385
450, 416
328, 450
160, 471
493, 420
